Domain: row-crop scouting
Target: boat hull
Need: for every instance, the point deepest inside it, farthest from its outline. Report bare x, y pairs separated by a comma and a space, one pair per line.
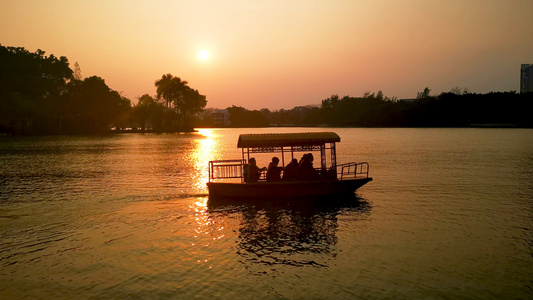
285, 189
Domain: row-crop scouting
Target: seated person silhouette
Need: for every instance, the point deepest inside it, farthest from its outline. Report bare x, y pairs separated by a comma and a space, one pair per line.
291, 170
307, 172
273, 171
252, 173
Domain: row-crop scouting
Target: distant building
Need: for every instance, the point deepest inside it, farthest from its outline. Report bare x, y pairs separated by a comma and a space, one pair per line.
220, 119
526, 78
217, 117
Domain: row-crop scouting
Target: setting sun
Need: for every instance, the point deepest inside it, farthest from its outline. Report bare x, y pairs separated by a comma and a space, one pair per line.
203, 54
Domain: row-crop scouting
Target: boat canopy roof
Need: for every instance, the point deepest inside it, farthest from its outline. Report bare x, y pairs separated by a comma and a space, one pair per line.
287, 139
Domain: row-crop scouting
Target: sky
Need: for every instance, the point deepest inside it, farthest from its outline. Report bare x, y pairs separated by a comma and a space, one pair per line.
281, 54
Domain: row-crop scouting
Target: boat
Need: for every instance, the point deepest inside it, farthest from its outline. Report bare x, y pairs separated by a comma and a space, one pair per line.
228, 178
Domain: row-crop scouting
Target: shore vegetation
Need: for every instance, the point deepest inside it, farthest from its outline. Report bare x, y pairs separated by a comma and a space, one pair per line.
41, 94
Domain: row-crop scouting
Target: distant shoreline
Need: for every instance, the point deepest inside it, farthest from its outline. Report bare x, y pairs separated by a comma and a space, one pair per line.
150, 131
493, 126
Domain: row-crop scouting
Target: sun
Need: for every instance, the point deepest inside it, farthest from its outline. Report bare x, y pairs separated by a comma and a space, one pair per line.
203, 54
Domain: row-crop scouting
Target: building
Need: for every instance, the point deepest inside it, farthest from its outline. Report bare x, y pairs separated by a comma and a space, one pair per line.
220, 119
526, 78
215, 117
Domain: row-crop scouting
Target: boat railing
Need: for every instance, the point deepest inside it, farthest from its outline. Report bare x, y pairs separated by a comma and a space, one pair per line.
224, 169
352, 170
234, 169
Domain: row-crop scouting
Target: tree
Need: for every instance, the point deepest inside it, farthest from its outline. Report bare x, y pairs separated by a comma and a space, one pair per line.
93, 107
181, 100
192, 104
330, 108
77, 71
379, 96
459, 91
424, 94
148, 113
170, 88
31, 85
241, 117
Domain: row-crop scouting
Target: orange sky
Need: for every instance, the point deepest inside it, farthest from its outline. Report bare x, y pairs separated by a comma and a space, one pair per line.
281, 54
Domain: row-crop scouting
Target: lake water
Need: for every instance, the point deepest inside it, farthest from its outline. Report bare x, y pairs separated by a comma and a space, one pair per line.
449, 215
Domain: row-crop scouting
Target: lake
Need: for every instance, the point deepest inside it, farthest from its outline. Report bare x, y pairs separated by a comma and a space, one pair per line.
449, 215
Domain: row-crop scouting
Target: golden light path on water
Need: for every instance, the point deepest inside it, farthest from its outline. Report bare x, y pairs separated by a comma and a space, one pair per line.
206, 149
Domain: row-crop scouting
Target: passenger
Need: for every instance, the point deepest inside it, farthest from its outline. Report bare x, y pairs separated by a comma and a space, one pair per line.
300, 163
291, 170
307, 172
273, 171
252, 173
302, 159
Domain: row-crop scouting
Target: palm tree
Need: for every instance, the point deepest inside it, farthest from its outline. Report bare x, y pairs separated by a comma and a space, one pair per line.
171, 89
185, 100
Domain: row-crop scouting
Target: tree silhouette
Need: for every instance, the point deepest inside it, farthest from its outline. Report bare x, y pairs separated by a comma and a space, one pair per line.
170, 88
148, 113
92, 107
181, 100
192, 103
31, 85
424, 94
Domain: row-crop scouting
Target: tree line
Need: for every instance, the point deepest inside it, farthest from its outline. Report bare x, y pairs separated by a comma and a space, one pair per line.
457, 108
41, 94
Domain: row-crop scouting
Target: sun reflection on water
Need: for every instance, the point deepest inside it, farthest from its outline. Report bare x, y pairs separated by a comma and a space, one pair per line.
204, 150
208, 235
